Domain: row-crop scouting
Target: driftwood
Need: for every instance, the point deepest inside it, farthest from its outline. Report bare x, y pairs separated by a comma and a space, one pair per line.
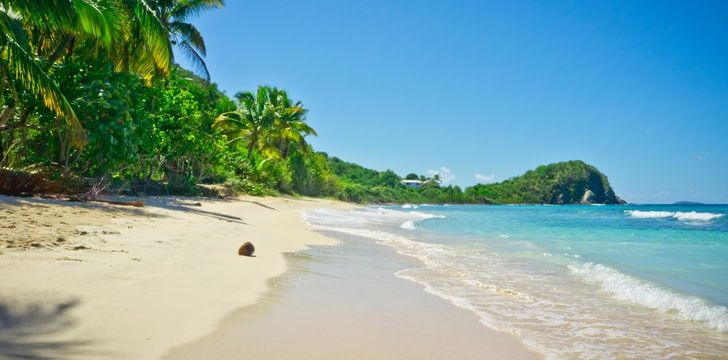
137, 203
185, 203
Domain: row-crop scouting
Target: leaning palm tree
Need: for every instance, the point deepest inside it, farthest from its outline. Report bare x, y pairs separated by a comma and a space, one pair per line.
175, 15
19, 64
119, 27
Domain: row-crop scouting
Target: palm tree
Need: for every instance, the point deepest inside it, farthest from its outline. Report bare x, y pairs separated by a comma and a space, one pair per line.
250, 122
175, 15
268, 121
20, 67
121, 27
289, 129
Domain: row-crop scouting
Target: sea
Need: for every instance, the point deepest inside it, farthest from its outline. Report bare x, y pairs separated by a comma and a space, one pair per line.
583, 282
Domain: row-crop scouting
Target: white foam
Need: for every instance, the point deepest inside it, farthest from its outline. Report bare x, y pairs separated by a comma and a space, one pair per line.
364, 216
558, 315
625, 287
649, 214
425, 216
679, 215
408, 225
409, 206
696, 216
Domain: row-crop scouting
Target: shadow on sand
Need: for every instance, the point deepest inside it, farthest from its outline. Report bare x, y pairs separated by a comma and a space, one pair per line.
41, 203
173, 203
27, 330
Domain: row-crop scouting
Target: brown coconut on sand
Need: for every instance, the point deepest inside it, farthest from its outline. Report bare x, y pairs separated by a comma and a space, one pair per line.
246, 249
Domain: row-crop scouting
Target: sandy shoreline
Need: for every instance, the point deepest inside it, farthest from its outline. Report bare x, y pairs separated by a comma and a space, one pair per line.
344, 302
97, 281
100, 281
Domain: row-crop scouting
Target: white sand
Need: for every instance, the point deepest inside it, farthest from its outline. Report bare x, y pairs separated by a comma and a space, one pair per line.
147, 280
345, 303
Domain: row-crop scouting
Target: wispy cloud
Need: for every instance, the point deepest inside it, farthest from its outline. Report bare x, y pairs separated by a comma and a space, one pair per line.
700, 157
484, 178
446, 175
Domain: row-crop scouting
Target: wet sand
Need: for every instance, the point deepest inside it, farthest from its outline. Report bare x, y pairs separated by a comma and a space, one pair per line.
343, 302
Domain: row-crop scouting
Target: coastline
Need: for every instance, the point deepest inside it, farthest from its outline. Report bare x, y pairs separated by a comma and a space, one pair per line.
133, 283
345, 302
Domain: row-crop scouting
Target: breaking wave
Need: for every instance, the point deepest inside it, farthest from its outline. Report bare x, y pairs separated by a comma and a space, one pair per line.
408, 225
625, 287
679, 215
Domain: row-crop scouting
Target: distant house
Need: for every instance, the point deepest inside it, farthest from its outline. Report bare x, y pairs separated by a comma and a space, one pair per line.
412, 183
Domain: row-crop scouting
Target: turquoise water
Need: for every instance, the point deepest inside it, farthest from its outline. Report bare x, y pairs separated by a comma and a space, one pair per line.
684, 248
647, 281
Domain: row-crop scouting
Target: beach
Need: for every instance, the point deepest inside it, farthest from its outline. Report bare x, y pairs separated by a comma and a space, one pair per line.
343, 302
333, 280
100, 281
91, 280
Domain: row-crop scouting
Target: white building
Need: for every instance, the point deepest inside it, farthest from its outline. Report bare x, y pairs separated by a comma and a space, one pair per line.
412, 183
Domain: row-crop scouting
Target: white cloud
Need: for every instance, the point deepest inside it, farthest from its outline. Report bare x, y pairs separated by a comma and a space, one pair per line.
484, 178
446, 175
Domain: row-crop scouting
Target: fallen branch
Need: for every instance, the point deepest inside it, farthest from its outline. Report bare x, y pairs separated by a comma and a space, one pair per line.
137, 203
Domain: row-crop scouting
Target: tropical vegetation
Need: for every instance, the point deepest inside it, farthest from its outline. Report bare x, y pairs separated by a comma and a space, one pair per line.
92, 98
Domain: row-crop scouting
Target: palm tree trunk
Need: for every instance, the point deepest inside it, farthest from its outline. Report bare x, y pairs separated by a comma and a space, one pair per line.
61, 49
7, 113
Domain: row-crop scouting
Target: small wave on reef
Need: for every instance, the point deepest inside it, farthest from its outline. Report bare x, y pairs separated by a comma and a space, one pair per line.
679, 215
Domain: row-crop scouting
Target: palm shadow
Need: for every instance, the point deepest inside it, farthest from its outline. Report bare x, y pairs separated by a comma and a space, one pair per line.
26, 330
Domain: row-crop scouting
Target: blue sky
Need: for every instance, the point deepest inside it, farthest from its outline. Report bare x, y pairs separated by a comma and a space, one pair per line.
637, 88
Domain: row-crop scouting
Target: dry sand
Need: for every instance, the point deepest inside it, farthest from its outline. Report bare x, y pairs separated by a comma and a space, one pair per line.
101, 281
98, 281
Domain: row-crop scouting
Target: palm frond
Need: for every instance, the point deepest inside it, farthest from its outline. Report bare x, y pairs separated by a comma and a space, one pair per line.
98, 19
196, 59
186, 9
48, 14
154, 35
189, 33
25, 71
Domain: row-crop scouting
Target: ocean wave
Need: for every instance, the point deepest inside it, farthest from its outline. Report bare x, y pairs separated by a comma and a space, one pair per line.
425, 216
408, 225
625, 287
679, 215
409, 206
364, 216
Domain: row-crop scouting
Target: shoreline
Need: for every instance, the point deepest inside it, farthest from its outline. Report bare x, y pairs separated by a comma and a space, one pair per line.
345, 302
135, 283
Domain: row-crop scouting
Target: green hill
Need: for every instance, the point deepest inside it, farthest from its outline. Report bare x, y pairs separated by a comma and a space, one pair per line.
570, 182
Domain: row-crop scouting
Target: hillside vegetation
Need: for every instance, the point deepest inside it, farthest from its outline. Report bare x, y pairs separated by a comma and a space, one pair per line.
570, 182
